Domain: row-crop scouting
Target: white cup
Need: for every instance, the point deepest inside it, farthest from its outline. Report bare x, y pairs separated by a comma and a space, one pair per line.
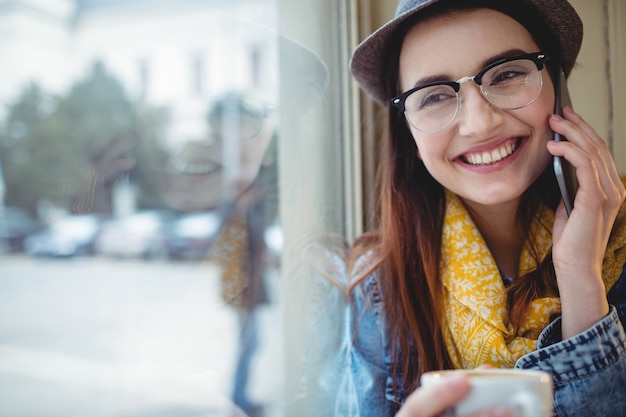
525, 393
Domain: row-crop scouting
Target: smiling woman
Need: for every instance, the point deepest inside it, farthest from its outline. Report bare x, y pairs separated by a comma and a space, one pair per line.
229, 161
475, 261
520, 126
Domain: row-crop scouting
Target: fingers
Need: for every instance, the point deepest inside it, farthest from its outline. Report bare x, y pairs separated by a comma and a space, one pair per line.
591, 156
589, 141
580, 241
433, 400
599, 145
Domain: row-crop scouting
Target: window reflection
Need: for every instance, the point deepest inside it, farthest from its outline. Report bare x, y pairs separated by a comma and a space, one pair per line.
154, 154
139, 220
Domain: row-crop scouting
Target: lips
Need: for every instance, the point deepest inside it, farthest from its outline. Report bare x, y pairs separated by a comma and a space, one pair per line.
492, 156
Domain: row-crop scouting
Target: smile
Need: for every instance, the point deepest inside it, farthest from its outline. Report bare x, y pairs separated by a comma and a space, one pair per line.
493, 156
193, 167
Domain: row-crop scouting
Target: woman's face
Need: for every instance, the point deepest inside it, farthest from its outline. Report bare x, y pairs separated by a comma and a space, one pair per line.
461, 44
206, 174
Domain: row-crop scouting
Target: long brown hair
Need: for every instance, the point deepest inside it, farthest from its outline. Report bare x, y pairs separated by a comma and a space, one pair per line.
408, 240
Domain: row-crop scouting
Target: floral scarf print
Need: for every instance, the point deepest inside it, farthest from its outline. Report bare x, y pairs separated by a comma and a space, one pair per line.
477, 330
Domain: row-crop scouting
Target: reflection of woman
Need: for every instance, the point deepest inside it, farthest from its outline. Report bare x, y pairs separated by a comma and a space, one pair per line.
245, 183
476, 261
209, 173
235, 172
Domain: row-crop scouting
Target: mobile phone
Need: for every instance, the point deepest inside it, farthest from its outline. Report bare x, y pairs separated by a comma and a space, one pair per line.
565, 173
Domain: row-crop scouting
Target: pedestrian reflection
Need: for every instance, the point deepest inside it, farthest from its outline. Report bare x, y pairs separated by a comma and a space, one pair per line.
251, 200
229, 172
142, 167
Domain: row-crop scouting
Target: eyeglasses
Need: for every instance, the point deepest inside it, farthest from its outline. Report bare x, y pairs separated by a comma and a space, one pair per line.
508, 84
239, 116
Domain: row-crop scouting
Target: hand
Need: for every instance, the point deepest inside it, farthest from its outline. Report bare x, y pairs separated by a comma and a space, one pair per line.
106, 168
435, 399
579, 242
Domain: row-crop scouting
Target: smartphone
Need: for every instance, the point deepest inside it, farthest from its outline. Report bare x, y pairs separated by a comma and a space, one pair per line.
564, 171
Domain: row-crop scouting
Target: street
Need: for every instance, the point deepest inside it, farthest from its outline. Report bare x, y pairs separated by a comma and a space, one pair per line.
98, 337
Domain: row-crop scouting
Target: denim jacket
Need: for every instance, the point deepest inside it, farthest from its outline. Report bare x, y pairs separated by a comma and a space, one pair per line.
589, 369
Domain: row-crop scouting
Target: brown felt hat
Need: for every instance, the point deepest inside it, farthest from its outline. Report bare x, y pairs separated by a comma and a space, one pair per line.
367, 62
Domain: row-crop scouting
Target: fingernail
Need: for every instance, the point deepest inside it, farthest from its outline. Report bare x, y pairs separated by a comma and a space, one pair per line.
557, 117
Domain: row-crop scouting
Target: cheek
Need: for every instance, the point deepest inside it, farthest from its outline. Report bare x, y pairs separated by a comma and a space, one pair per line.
543, 107
252, 153
430, 147
539, 113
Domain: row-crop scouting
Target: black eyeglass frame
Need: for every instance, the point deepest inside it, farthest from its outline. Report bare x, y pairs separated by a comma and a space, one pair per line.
539, 58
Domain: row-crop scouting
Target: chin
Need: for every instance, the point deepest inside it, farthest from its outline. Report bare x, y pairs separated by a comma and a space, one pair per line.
495, 196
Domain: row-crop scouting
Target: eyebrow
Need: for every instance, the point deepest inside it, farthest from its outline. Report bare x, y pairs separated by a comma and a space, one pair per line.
509, 53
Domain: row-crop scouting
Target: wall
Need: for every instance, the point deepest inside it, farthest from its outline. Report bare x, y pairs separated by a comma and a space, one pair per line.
598, 84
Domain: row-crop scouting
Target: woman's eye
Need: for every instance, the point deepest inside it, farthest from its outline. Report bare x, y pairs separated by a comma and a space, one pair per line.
508, 76
436, 97
509, 73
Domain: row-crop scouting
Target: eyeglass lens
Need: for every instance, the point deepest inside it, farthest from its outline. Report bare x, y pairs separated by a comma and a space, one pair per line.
510, 85
238, 118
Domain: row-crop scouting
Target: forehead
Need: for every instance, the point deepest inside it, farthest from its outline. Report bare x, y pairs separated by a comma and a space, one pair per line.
458, 43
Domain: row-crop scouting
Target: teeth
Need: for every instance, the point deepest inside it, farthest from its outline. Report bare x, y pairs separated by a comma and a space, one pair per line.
193, 168
485, 158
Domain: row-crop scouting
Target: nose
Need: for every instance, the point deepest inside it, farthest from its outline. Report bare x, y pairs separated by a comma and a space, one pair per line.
477, 116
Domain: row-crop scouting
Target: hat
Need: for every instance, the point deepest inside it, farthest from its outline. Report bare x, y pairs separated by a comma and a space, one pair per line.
368, 60
303, 77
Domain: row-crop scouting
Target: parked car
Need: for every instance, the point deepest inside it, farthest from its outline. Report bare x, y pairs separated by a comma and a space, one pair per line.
70, 236
15, 225
138, 235
190, 236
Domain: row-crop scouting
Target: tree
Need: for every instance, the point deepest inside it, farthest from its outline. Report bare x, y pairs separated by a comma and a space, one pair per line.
22, 128
70, 150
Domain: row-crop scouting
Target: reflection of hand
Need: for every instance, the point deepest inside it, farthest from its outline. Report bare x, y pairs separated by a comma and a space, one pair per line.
105, 169
434, 400
580, 241
112, 161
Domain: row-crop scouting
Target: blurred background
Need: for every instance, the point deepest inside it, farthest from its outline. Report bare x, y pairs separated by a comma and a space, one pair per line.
140, 240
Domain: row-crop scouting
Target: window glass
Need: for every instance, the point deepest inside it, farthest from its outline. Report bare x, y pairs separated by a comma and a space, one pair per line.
173, 205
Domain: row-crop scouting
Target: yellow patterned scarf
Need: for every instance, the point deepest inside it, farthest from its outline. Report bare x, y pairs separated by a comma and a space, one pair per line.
477, 330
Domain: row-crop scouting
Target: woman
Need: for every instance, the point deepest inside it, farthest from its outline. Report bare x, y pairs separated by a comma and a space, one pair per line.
476, 261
